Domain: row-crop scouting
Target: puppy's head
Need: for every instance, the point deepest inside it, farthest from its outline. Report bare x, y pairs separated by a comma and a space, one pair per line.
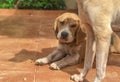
68, 28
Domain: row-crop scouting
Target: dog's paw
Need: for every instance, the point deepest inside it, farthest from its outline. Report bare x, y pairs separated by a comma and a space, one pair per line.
97, 80
76, 78
54, 66
41, 61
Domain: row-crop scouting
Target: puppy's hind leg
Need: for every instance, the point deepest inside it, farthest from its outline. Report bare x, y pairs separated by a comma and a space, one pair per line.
54, 56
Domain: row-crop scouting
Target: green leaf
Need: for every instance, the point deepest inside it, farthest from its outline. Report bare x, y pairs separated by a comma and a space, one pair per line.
34, 4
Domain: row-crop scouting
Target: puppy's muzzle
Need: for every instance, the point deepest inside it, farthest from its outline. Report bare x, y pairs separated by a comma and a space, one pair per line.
64, 35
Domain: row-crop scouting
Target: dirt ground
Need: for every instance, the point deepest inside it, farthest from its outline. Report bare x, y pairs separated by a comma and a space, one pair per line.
28, 35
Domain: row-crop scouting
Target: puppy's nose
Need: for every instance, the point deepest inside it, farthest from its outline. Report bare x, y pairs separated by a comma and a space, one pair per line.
64, 35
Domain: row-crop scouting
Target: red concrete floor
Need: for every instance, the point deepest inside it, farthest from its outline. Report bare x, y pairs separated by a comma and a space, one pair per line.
26, 37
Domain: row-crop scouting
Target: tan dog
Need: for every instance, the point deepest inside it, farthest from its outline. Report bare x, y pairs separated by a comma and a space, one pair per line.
99, 14
71, 38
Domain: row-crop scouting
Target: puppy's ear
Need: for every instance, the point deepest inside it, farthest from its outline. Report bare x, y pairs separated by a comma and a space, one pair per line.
56, 27
80, 34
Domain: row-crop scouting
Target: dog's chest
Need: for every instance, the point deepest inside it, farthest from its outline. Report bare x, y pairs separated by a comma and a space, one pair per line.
71, 50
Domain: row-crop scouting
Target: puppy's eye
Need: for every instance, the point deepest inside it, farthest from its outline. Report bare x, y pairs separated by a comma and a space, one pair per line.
62, 22
73, 25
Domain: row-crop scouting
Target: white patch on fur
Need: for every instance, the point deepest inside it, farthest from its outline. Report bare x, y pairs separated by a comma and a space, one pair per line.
41, 61
76, 78
54, 66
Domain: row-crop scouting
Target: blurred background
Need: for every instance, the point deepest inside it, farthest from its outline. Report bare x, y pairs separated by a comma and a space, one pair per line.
39, 4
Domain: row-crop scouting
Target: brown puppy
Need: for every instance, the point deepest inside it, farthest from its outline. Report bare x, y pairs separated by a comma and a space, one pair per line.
71, 38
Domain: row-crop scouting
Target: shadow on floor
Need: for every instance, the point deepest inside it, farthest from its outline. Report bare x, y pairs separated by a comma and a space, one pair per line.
25, 55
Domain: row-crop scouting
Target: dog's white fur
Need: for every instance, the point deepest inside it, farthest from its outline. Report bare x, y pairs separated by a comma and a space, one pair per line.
99, 14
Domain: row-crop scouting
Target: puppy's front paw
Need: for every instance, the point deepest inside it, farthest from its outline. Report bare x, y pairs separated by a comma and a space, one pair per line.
76, 78
41, 61
54, 66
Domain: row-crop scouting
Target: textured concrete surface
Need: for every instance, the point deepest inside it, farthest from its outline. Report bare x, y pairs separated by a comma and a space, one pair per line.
28, 35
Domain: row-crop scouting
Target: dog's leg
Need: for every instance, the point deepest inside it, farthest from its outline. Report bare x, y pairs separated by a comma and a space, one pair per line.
56, 55
101, 21
89, 56
102, 49
67, 60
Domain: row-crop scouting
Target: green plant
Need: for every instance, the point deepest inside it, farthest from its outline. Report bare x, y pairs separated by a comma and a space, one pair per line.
7, 3
41, 4
33, 4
